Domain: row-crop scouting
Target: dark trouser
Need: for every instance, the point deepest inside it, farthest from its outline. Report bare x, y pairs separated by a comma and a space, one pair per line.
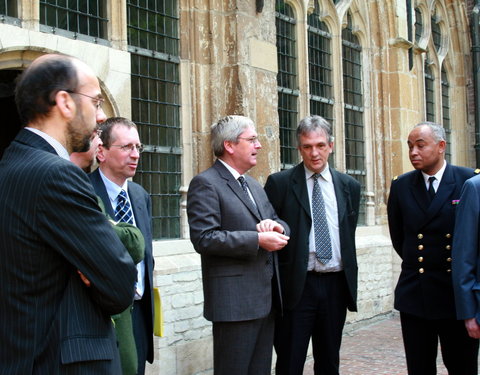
420, 338
140, 331
243, 348
321, 315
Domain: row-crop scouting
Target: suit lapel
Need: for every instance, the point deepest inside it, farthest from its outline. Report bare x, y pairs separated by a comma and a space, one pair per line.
101, 191
341, 194
444, 192
237, 189
138, 208
419, 191
299, 188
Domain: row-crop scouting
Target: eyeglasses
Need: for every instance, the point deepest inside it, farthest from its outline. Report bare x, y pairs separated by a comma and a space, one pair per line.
98, 101
98, 132
252, 140
130, 147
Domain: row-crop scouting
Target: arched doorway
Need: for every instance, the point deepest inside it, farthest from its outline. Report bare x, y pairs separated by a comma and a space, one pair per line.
10, 123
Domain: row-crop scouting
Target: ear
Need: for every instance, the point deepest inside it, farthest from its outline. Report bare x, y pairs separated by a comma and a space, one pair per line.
101, 153
228, 146
331, 147
65, 104
442, 145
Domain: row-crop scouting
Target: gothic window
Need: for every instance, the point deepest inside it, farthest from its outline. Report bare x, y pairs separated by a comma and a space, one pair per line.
353, 110
287, 82
446, 114
429, 92
153, 40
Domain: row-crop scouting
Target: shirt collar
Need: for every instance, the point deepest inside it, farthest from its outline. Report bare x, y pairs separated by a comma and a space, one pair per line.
59, 149
234, 172
327, 176
438, 175
112, 188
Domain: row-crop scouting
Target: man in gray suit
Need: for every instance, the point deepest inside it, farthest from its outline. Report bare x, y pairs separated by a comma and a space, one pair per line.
51, 227
235, 229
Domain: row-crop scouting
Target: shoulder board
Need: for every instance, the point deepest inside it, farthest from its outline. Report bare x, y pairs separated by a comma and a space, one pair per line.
476, 171
396, 177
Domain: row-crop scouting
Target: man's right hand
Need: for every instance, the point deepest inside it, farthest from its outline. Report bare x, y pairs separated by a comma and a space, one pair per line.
272, 241
473, 328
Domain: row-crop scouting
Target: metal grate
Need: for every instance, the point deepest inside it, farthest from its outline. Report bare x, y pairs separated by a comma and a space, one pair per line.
156, 111
287, 83
436, 33
353, 111
429, 93
418, 25
446, 114
153, 25
77, 17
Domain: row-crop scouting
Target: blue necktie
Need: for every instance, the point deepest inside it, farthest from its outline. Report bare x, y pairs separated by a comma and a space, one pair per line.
323, 244
123, 211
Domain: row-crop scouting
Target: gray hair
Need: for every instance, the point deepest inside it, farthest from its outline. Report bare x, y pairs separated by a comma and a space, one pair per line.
314, 124
438, 132
228, 128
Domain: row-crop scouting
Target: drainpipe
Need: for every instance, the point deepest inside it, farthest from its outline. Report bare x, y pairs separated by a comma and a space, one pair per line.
475, 30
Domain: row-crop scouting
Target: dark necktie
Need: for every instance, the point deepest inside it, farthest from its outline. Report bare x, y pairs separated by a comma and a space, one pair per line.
123, 211
323, 244
431, 190
244, 184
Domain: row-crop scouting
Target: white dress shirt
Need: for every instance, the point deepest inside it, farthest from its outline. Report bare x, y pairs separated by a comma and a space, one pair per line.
438, 177
328, 192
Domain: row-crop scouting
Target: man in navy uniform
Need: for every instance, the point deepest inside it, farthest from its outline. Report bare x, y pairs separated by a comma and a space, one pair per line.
421, 218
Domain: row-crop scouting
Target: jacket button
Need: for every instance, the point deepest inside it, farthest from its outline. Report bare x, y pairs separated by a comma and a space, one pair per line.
420, 259
448, 235
449, 259
421, 270
448, 247
420, 247
419, 236
449, 270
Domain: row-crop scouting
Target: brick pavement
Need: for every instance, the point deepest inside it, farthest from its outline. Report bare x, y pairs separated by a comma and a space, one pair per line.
374, 349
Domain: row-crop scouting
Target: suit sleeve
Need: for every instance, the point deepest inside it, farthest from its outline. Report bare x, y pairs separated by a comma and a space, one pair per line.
208, 231
465, 254
82, 234
395, 221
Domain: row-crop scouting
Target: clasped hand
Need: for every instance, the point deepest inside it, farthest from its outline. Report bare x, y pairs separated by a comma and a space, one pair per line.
270, 235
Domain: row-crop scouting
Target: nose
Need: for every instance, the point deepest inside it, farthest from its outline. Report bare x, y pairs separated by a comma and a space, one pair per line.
134, 154
258, 145
100, 116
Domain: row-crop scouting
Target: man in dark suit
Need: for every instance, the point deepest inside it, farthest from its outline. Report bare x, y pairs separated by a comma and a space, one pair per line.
421, 218
127, 201
51, 227
235, 229
466, 257
317, 286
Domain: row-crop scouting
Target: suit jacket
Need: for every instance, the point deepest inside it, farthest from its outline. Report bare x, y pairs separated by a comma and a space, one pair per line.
422, 235
237, 282
141, 206
466, 252
50, 227
287, 190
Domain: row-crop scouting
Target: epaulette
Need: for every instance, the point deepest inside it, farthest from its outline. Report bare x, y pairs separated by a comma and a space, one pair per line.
476, 171
395, 178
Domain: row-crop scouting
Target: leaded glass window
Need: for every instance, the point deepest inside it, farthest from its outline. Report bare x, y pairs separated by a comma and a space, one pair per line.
429, 93
353, 107
156, 107
9, 8
287, 82
320, 68
418, 25
436, 33
77, 17
446, 114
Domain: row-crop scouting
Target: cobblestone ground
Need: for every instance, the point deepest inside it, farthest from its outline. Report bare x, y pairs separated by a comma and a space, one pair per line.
375, 349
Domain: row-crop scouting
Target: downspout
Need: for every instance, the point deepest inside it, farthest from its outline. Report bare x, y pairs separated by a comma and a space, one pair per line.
475, 30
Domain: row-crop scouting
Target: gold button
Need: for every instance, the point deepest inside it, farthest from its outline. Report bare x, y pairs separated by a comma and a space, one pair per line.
420, 247
449, 270
448, 247
448, 235
421, 270
420, 236
449, 259
420, 259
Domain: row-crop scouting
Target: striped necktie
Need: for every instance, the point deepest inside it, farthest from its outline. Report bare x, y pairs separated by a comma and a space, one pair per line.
123, 211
